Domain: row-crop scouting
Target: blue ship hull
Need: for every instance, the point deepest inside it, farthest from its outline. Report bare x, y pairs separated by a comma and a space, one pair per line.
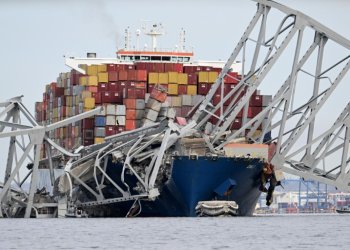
194, 180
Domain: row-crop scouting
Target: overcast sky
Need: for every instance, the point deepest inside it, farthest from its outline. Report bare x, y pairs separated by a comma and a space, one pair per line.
35, 35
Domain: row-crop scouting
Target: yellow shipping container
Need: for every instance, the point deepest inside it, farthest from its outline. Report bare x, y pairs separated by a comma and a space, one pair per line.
212, 77
102, 68
182, 78
85, 94
172, 89
192, 90
87, 109
92, 70
89, 103
83, 80
92, 81
173, 77
163, 78
99, 140
203, 77
153, 78
103, 77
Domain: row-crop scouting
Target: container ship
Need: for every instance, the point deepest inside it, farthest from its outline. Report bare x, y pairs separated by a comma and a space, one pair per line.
142, 93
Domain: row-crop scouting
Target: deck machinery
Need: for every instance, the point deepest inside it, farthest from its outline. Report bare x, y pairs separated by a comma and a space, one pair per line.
304, 144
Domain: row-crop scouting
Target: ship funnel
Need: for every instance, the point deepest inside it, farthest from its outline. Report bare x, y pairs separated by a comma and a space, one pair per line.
91, 55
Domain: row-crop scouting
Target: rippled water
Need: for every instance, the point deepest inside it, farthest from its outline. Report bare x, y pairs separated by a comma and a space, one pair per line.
258, 232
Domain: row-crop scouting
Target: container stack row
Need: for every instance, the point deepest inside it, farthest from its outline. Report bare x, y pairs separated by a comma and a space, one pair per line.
131, 95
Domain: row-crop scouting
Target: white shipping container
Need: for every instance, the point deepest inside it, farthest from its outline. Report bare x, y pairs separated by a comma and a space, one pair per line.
176, 101
100, 132
171, 113
120, 120
266, 99
110, 109
103, 111
121, 110
110, 120
186, 100
151, 114
196, 99
140, 104
153, 104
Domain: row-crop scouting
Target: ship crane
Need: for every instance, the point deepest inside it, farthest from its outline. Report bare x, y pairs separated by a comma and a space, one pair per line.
301, 150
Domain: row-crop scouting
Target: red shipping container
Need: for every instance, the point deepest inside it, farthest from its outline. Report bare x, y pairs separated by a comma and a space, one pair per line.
111, 67
158, 95
92, 89
173, 67
132, 75
206, 68
123, 75
106, 97
102, 87
253, 111
113, 86
140, 93
74, 77
113, 76
110, 130
120, 129
141, 85
155, 67
150, 88
231, 78
192, 78
97, 97
116, 97
130, 103
88, 123
203, 88
63, 112
131, 85
216, 99
131, 93
141, 66
191, 69
256, 101
236, 124
182, 89
141, 75
122, 86
130, 114
228, 88
130, 125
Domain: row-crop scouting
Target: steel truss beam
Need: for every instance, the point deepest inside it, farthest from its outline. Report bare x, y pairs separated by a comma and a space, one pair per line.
309, 159
24, 141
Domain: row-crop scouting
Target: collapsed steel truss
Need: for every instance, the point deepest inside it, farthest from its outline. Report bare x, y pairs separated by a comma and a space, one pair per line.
280, 111
26, 136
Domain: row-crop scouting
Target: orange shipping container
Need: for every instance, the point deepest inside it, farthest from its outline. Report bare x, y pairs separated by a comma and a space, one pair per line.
130, 125
141, 75
123, 75
131, 114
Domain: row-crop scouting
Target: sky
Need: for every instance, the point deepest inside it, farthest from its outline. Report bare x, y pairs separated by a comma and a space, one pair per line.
36, 35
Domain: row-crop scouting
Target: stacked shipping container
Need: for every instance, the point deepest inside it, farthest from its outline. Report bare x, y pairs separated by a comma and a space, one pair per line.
122, 90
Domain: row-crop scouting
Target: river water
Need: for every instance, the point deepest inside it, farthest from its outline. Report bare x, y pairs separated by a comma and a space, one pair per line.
316, 231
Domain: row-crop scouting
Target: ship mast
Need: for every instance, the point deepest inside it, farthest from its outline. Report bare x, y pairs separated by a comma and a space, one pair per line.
155, 31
